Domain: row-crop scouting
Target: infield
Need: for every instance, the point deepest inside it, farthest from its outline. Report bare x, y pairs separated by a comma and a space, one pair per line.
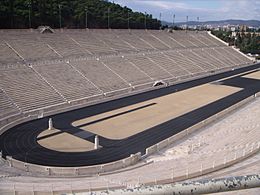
63, 142
178, 108
127, 121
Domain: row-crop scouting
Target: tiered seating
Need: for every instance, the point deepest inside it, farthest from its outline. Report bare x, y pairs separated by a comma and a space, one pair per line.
113, 41
208, 58
33, 46
211, 40
67, 81
7, 56
204, 39
133, 40
240, 58
63, 45
167, 39
193, 38
100, 75
7, 107
229, 55
25, 44
168, 64
183, 38
223, 55
89, 42
102, 61
197, 39
151, 40
149, 67
198, 60
127, 70
184, 62
27, 89
211, 52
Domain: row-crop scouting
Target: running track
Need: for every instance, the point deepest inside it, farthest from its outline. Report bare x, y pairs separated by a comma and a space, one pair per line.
20, 142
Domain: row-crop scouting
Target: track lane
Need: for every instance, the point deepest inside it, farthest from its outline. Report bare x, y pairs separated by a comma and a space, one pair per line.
21, 143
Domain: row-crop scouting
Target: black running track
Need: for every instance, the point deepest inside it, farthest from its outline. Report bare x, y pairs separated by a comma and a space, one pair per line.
20, 142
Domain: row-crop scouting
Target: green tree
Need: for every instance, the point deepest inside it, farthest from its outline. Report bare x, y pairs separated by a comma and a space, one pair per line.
246, 42
15, 14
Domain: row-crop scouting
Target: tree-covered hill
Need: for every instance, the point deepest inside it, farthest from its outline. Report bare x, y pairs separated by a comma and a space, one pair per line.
23, 13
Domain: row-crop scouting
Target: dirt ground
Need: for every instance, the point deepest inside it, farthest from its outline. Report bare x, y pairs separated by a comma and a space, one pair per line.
63, 142
120, 124
255, 75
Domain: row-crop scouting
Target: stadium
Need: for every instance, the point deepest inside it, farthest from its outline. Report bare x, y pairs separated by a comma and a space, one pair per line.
122, 111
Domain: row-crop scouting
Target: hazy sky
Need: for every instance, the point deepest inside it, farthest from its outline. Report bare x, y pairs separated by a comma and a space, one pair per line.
204, 9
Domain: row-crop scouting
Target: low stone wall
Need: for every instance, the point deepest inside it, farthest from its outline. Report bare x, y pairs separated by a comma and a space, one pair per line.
209, 32
143, 86
15, 121
241, 53
85, 100
9, 119
74, 171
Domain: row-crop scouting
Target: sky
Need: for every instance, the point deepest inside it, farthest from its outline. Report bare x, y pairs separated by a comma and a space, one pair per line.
206, 10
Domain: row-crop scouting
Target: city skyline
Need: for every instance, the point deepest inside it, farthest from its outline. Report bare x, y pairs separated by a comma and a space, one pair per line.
206, 10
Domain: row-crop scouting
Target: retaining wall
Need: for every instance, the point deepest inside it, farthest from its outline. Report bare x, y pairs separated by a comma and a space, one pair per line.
209, 32
74, 171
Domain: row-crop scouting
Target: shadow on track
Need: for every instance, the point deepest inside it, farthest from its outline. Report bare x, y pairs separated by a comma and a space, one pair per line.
20, 142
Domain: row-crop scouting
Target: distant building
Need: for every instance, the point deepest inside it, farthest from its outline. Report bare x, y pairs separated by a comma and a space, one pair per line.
233, 28
243, 28
208, 26
234, 34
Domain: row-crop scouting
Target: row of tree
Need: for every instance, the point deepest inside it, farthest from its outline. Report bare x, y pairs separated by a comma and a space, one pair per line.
246, 42
72, 14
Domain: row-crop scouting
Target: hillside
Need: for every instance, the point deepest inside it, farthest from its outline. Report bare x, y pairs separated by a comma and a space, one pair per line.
26, 13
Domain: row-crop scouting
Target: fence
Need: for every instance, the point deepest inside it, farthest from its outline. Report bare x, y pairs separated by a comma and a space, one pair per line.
74, 171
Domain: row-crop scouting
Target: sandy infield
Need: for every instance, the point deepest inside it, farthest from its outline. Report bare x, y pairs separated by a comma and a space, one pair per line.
254, 75
63, 142
130, 120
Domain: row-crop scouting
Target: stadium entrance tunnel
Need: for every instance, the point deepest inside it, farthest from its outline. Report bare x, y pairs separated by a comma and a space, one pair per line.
22, 141
160, 83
